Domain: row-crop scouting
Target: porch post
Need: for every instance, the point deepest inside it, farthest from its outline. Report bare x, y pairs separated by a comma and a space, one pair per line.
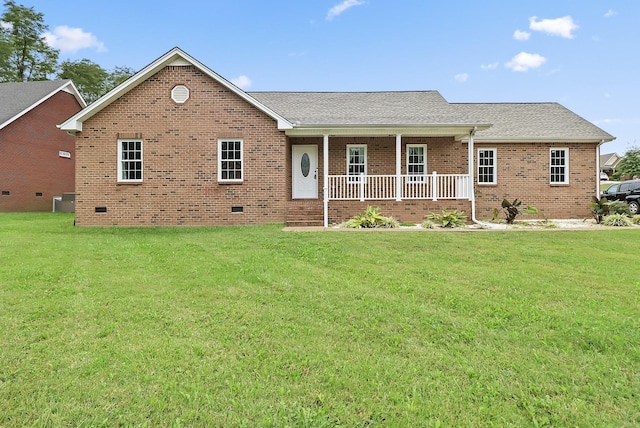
398, 167
325, 178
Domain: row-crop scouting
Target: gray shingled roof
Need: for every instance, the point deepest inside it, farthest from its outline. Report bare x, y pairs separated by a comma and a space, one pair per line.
360, 108
510, 121
15, 97
531, 121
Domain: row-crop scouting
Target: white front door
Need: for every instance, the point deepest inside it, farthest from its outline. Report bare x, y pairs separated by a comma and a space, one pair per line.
304, 171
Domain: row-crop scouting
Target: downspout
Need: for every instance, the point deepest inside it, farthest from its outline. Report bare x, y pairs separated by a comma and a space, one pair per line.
598, 169
472, 196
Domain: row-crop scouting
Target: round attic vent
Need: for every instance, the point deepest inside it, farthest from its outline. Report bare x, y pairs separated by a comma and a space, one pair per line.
180, 94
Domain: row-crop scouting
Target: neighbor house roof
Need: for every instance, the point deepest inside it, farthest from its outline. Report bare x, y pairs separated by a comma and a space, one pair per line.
609, 160
18, 98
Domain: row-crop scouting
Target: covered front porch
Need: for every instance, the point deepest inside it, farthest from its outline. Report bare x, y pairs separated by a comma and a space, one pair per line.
396, 170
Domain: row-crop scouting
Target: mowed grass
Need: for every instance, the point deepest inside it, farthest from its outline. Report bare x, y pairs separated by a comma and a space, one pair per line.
253, 326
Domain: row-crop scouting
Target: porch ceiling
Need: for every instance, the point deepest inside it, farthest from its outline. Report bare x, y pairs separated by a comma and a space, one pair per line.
457, 131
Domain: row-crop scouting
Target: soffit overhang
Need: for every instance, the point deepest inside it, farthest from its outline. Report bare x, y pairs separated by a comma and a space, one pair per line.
458, 131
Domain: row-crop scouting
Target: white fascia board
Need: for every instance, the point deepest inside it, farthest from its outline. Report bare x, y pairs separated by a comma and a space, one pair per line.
175, 56
70, 88
539, 140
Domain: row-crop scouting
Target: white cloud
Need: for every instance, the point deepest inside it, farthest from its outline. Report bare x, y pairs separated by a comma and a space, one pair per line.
521, 35
242, 82
609, 121
461, 77
71, 40
525, 61
491, 66
610, 13
556, 27
343, 7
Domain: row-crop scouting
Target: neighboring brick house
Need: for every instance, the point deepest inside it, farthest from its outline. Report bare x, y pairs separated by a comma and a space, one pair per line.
36, 158
177, 144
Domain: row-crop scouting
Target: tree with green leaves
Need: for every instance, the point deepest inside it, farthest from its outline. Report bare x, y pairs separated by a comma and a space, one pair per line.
89, 78
92, 80
119, 75
24, 54
630, 163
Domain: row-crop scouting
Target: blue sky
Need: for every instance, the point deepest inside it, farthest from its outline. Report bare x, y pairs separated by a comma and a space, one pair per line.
580, 53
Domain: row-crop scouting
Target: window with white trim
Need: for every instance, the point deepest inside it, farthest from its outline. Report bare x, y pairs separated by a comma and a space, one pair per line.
416, 161
130, 160
559, 166
356, 161
487, 166
230, 163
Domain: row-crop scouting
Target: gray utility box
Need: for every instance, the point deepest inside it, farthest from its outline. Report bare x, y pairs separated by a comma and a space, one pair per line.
64, 204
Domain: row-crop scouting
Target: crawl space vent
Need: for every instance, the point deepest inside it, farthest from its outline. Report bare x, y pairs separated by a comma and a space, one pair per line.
180, 94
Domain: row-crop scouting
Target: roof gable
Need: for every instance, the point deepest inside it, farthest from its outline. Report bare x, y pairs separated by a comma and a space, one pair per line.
175, 57
18, 98
610, 160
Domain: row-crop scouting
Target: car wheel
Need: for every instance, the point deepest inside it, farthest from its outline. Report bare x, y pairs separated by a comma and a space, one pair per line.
634, 207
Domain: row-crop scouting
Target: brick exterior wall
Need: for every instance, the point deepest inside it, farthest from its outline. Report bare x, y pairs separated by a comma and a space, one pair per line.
180, 151
31, 170
523, 173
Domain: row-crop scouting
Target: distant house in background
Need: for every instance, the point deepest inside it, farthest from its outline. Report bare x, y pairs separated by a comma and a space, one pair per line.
177, 144
36, 157
609, 163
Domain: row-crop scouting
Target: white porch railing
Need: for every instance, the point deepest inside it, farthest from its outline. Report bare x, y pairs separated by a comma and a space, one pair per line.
379, 187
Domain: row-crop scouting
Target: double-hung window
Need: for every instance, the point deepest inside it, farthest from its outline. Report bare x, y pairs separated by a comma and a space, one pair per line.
230, 161
130, 161
356, 162
559, 166
487, 166
416, 162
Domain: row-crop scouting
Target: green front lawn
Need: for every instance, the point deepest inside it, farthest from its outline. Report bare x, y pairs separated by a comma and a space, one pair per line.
253, 326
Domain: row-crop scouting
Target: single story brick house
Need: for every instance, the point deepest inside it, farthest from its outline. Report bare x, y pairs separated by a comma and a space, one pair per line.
36, 158
177, 144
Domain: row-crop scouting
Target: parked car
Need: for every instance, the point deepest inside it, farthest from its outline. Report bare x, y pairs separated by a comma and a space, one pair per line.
628, 191
604, 176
